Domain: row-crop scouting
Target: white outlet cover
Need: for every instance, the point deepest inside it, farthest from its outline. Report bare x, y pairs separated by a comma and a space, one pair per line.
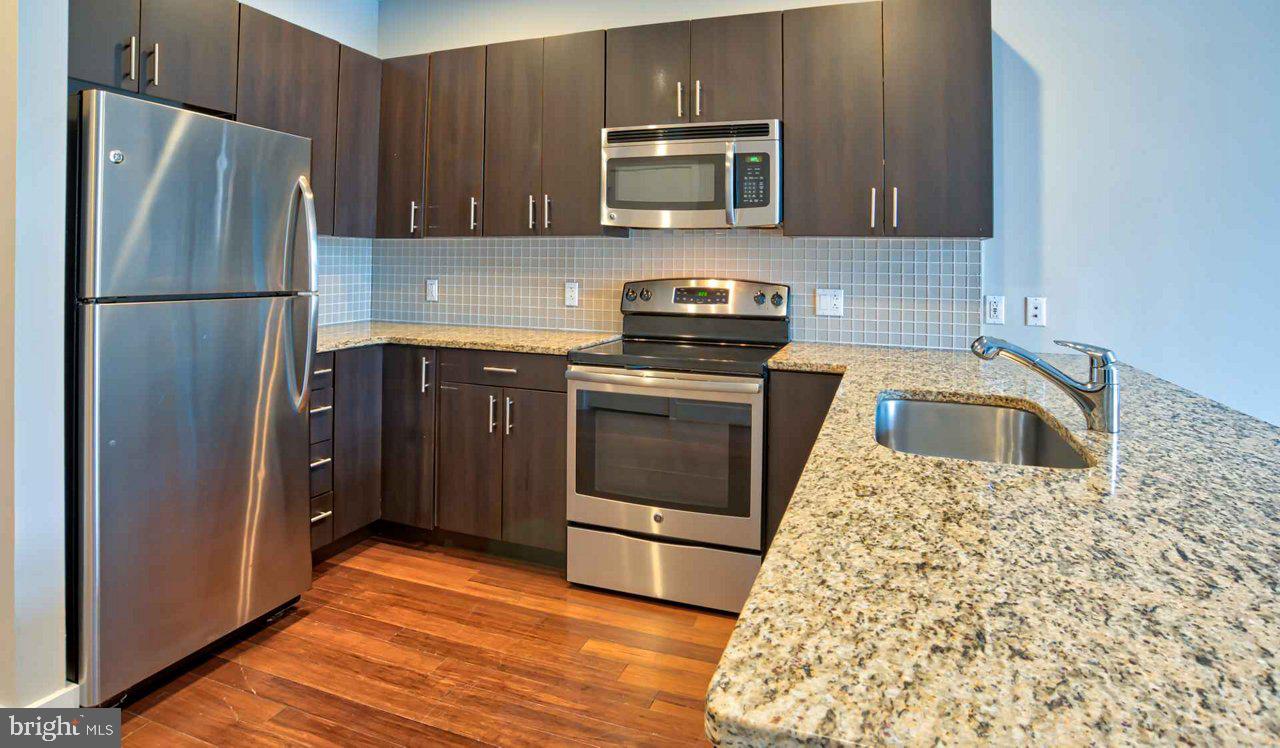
570, 293
993, 310
1037, 311
830, 302
433, 289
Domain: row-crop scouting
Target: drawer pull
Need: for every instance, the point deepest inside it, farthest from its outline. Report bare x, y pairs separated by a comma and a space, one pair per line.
321, 461
499, 370
322, 516
322, 371
321, 409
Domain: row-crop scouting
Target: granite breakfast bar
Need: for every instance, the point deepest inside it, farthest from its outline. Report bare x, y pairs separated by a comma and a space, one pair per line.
910, 599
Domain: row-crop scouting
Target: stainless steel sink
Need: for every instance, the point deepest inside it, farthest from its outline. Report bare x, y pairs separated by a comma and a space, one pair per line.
988, 433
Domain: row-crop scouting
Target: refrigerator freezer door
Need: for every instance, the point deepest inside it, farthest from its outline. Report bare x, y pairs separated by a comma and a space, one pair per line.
175, 203
194, 495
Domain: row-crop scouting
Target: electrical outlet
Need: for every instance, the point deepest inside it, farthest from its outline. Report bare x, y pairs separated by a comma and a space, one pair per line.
830, 302
993, 310
433, 289
1037, 311
570, 293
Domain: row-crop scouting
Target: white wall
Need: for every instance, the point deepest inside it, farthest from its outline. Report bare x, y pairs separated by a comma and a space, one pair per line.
1137, 170
32, 267
352, 22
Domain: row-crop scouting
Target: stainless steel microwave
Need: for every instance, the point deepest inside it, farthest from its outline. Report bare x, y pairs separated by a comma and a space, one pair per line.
710, 175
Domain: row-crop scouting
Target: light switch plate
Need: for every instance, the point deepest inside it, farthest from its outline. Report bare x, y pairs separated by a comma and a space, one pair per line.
1037, 311
830, 302
433, 289
570, 293
993, 310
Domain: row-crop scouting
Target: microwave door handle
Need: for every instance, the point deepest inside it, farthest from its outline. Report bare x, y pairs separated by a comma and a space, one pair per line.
730, 214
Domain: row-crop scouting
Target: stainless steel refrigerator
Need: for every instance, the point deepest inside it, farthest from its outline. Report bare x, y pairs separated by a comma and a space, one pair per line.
196, 314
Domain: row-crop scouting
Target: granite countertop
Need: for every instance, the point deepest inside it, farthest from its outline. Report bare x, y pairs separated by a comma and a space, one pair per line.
916, 600
516, 339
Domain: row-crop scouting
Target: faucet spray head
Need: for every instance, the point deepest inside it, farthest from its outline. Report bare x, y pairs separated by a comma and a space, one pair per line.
984, 348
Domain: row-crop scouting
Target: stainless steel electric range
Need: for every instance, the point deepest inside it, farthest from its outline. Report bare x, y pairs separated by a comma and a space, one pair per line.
666, 441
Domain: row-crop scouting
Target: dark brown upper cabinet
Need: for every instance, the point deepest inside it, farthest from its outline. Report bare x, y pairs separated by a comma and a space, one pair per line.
937, 118
833, 115
647, 74
736, 66
355, 198
408, 435
533, 476
573, 74
513, 138
180, 50
402, 147
289, 82
455, 137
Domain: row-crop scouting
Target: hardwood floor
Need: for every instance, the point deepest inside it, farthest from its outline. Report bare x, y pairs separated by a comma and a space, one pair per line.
421, 645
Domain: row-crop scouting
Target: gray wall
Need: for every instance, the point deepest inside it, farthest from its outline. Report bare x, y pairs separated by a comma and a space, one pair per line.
352, 22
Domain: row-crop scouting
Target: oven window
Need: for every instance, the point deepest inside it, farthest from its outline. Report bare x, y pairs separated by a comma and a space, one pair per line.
693, 182
668, 452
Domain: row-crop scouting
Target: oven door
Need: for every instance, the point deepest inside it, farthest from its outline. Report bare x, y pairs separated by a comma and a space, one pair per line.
677, 456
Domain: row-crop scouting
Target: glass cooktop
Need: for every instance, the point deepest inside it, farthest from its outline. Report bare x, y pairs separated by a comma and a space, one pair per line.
670, 355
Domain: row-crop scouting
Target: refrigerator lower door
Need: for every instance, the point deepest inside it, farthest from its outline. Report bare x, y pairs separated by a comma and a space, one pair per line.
194, 495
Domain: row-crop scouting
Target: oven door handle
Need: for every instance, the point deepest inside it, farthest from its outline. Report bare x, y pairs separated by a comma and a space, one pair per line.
749, 387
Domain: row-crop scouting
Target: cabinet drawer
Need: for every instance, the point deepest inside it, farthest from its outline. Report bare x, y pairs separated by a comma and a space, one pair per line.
321, 520
322, 374
321, 468
503, 369
321, 416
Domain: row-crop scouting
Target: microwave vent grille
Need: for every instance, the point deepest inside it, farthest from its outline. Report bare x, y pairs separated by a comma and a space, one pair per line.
728, 131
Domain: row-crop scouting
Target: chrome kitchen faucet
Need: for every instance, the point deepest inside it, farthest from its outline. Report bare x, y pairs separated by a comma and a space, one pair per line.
1099, 398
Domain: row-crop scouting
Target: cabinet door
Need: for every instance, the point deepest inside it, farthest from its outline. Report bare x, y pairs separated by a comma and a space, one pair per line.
533, 468
513, 138
736, 64
408, 435
572, 115
647, 74
355, 200
455, 137
289, 82
357, 439
937, 99
190, 48
834, 128
797, 404
100, 42
470, 468
402, 147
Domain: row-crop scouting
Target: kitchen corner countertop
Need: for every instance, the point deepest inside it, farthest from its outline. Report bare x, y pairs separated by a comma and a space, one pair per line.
915, 600
515, 339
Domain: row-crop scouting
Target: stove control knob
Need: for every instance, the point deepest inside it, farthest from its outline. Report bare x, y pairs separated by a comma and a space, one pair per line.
777, 299
630, 295
645, 294
759, 297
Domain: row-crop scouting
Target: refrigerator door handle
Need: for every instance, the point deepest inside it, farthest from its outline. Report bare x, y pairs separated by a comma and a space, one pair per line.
312, 293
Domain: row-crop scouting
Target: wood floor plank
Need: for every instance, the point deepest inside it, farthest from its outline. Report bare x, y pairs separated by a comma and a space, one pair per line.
682, 682
640, 656
155, 735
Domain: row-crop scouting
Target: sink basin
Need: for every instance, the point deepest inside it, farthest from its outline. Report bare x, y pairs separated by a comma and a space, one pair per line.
987, 433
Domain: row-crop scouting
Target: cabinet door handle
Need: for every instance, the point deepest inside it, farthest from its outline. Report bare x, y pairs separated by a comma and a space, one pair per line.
697, 98
493, 416
895, 207
133, 58
472, 222
546, 211
321, 409
321, 461
532, 223
873, 207
318, 372
425, 385
499, 370
413, 214
155, 65
322, 516
509, 424
679, 100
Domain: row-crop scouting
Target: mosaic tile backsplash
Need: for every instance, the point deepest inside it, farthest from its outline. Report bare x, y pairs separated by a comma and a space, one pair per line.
912, 292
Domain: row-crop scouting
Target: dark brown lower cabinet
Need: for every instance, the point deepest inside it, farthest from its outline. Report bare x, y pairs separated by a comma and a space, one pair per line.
357, 439
797, 406
408, 435
470, 469
533, 468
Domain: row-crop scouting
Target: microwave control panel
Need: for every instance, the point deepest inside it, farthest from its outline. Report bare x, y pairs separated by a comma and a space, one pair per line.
751, 174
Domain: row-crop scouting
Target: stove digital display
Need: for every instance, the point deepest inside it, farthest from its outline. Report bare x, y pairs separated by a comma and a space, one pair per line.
702, 296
